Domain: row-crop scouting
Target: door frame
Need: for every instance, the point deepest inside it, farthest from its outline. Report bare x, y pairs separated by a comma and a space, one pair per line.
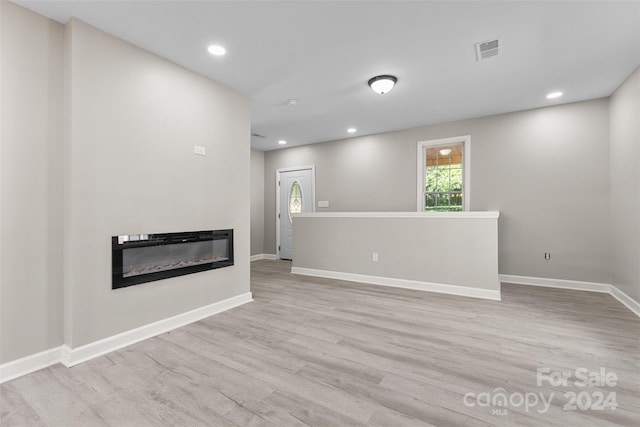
313, 201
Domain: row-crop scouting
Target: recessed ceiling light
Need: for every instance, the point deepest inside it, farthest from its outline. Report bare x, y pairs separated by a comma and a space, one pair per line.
216, 50
352, 130
445, 151
282, 142
554, 95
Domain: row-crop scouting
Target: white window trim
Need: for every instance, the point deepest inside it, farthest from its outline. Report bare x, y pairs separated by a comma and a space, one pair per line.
466, 161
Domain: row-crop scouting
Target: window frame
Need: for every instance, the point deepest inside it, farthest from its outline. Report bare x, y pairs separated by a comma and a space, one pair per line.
465, 140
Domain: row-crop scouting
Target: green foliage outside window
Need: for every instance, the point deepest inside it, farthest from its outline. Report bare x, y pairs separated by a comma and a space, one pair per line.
444, 178
443, 188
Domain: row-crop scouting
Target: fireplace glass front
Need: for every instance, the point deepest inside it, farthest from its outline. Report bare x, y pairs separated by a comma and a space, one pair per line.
141, 258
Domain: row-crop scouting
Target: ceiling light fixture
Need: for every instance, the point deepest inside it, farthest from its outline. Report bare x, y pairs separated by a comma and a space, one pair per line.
445, 151
382, 84
352, 130
216, 50
554, 95
282, 142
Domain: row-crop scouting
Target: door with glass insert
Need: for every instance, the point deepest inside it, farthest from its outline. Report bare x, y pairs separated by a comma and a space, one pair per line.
296, 196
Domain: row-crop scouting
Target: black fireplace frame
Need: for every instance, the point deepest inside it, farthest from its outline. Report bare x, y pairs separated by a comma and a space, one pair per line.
120, 243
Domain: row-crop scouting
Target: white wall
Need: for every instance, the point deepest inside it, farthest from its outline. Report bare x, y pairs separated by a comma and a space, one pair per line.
545, 170
257, 202
134, 120
624, 113
31, 140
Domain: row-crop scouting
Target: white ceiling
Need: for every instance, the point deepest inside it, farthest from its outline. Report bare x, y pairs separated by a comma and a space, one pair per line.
323, 52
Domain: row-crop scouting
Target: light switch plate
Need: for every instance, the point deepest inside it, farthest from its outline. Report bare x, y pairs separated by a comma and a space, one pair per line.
201, 151
323, 203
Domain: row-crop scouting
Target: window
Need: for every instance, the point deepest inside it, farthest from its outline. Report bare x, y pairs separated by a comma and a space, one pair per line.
443, 174
295, 199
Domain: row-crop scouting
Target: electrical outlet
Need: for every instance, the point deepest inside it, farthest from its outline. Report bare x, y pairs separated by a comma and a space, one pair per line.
201, 151
547, 256
374, 256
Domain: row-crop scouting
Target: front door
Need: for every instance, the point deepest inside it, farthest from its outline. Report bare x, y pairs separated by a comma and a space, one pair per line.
296, 196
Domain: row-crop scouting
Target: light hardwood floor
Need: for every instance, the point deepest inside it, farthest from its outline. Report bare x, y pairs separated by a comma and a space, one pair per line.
322, 352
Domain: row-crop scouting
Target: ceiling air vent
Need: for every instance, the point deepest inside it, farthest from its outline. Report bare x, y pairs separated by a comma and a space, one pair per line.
488, 49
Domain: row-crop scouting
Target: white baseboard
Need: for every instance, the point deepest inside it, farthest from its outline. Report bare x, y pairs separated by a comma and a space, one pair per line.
29, 364
401, 283
556, 283
258, 257
626, 300
576, 285
72, 356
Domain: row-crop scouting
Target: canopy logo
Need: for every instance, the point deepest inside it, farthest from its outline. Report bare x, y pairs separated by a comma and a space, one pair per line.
500, 401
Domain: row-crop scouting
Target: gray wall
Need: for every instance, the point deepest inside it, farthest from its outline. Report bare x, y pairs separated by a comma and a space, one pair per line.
624, 128
31, 139
257, 202
545, 170
428, 250
134, 120
96, 140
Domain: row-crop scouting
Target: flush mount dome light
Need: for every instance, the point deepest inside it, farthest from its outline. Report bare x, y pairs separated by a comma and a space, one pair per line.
554, 95
282, 142
445, 151
352, 130
382, 84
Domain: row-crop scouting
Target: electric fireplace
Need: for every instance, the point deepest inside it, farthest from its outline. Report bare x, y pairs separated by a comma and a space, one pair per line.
141, 258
